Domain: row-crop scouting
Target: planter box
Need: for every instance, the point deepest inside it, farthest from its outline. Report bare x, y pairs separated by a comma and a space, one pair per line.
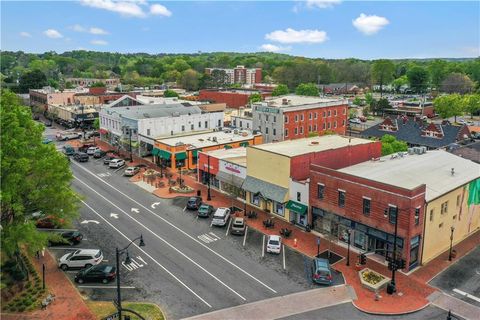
373, 286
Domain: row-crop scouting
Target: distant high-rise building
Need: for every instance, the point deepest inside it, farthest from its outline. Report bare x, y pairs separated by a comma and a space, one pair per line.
240, 74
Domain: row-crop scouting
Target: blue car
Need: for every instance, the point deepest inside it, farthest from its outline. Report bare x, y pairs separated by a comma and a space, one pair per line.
322, 273
47, 141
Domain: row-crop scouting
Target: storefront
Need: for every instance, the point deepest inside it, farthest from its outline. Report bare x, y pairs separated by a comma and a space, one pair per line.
231, 177
362, 236
298, 213
266, 195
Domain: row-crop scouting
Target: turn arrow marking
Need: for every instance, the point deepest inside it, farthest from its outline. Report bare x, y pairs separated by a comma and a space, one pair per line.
154, 205
114, 215
135, 210
88, 221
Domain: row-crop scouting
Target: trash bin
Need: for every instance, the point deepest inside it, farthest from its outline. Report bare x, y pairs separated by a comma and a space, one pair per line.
199, 193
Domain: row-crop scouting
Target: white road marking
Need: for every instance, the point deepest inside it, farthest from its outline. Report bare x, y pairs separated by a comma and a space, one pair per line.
155, 261
167, 243
184, 209
88, 221
214, 235
154, 205
135, 210
133, 265
114, 215
181, 231
283, 251
208, 237
105, 287
465, 294
263, 246
245, 235
103, 175
229, 224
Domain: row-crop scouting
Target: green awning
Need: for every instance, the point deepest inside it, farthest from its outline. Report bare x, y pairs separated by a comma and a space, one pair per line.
164, 154
195, 152
297, 207
181, 156
227, 146
244, 144
155, 151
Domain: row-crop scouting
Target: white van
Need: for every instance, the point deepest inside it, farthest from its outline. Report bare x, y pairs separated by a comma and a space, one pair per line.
116, 163
221, 217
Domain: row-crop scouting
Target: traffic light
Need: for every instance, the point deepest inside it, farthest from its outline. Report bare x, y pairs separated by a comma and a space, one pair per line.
363, 259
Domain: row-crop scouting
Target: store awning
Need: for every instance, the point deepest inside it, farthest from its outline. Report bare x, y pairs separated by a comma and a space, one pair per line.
266, 189
181, 156
195, 152
297, 207
230, 179
227, 146
244, 144
164, 154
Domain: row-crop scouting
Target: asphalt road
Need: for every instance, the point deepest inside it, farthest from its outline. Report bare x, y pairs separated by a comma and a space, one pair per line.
462, 279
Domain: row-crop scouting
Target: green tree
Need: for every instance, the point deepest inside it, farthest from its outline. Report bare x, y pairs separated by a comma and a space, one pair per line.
457, 83
472, 104
449, 106
280, 90
35, 177
180, 65
190, 80
98, 84
34, 79
382, 72
390, 145
218, 79
418, 78
399, 82
256, 97
307, 89
170, 94
438, 72
96, 123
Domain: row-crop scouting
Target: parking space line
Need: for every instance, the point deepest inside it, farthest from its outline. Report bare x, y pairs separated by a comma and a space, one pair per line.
465, 294
105, 287
155, 261
263, 246
184, 208
228, 228
214, 235
283, 251
245, 272
245, 235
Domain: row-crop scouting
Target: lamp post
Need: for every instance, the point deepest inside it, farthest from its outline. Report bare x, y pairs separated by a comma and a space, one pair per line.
348, 247
451, 243
130, 142
209, 197
118, 253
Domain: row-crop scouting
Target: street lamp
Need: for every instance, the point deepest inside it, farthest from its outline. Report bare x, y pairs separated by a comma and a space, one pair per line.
209, 197
348, 246
118, 253
451, 243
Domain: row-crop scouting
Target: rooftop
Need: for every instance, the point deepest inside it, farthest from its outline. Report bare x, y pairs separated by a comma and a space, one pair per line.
154, 110
234, 155
292, 148
433, 168
295, 102
203, 140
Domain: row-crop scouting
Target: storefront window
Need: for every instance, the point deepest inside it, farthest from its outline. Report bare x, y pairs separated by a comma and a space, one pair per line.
278, 208
255, 199
360, 240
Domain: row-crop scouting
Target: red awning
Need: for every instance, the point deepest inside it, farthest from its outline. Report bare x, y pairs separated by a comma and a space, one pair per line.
103, 131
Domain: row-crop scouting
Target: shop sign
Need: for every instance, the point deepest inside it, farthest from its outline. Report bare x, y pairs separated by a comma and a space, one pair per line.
232, 168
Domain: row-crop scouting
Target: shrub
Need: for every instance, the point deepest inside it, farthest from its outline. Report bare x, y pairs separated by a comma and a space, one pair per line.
21, 308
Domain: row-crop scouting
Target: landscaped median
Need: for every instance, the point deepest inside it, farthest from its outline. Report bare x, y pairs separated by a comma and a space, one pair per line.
149, 311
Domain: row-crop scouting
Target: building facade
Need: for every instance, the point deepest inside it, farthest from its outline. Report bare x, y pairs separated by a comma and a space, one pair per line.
295, 117
233, 98
87, 82
240, 74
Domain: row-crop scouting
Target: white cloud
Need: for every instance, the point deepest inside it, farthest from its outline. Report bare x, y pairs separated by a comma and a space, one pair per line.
99, 42
129, 8
25, 34
95, 30
159, 10
52, 33
369, 25
273, 48
300, 36
78, 28
322, 4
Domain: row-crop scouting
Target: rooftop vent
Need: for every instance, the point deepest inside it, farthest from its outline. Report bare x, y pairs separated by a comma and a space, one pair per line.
146, 115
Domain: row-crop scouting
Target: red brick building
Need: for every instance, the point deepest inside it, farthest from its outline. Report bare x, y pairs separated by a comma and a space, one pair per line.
234, 98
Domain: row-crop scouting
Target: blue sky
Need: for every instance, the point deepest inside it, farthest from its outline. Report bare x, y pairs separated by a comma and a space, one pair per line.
312, 28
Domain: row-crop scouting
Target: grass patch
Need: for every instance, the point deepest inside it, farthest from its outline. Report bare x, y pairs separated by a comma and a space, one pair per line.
149, 311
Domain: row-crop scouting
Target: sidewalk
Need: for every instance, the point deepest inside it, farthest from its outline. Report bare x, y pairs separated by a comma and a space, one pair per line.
68, 304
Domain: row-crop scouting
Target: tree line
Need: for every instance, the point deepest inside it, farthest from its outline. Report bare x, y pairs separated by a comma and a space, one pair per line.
20, 70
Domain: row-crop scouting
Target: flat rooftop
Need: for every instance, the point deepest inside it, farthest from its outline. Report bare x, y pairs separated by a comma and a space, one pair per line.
154, 110
235, 155
432, 168
203, 140
302, 102
292, 148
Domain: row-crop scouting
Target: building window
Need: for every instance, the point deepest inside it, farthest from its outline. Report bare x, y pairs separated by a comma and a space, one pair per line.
299, 196
417, 216
274, 131
274, 119
301, 117
199, 124
440, 225
366, 206
309, 128
320, 191
444, 208
296, 118
286, 119
148, 132
324, 114
329, 125
341, 198
344, 110
301, 130
192, 127
296, 131
241, 124
315, 115
183, 128
335, 124
458, 200
324, 126
266, 118
266, 130
286, 133
343, 123
278, 208
431, 215
219, 122
310, 116
335, 112
248, 125
315, 128
254, 199
329, 113
392, 214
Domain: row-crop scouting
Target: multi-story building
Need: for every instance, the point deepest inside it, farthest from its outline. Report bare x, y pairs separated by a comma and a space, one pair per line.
277, 173
40, 99
73, 115
293, 117
240, 74
87, 82
233, 98
424, 194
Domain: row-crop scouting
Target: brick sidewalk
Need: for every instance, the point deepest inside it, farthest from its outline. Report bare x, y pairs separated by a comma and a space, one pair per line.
68, 304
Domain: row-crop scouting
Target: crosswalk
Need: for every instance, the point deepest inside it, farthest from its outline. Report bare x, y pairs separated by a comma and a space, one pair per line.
208, 237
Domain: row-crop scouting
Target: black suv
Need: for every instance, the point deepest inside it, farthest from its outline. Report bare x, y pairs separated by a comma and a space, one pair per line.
100, 273
80, 157
194, 203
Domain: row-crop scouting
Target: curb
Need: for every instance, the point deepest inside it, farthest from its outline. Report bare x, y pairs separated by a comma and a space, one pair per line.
390, 313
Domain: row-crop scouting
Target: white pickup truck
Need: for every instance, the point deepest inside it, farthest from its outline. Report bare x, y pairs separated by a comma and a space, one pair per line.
68, 135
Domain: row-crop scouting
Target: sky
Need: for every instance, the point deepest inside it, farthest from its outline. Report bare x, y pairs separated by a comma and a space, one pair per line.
312, 28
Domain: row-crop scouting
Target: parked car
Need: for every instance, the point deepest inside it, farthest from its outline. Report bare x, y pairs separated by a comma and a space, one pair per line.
68, 150
131, 171
91, 134
49, 222
65, 238
322, 273
465, 122
99, 154
205, 210
47, 141
355, 121
82, 258
64, 136
80, 157
274, 244
194, 203
91, 150
100, 273
85, 147
221, 217
116, 163
107, 159
238, 226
